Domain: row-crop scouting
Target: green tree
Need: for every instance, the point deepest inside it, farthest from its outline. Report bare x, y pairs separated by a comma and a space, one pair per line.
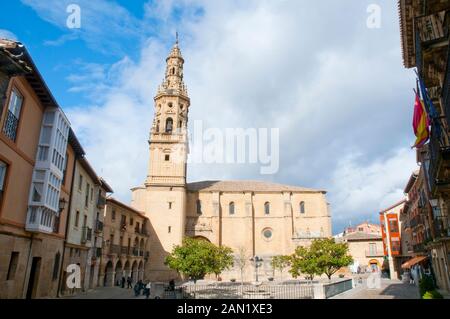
330, 256
197, 258
304, 262
280, 263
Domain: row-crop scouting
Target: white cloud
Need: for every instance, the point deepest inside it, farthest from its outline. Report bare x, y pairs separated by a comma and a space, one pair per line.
335, 88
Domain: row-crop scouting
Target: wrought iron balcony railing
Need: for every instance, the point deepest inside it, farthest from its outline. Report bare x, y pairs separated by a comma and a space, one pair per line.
86, 234
441, 227
10, 127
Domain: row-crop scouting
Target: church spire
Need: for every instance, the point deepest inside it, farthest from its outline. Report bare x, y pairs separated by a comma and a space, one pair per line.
173, 81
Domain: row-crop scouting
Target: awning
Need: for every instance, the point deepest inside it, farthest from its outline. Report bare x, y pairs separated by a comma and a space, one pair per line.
413, 261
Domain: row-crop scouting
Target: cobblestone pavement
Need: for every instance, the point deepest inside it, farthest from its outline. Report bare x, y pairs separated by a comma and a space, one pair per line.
107, 293
390, 289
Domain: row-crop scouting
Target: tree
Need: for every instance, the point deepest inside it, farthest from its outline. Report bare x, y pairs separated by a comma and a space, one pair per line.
241, 261
280, 263
304, 262
330, 256
221, 259
197, 258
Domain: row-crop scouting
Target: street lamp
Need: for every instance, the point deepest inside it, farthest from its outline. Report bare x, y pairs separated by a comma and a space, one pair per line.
257, 262
62, 204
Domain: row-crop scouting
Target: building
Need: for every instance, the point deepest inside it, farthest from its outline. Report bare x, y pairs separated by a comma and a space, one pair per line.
424, 26
126, 243
263, 219
84, 229
395, 240
365, 245
33, 148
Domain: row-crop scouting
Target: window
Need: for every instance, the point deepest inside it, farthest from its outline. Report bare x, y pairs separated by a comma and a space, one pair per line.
66, 160
113, 215
170, 205
180, 124
56, 266
199, 207
157, 126
13, 261
267, 233
80, 182
131, 221
302, 208
393, 225
3, 168
170, 229
86, 199
92, 193
395, 245
173, 71
169, 125
123, 220
267, 208
231, 208
372, 248
13, 115
77, 218
84, 220
167, 158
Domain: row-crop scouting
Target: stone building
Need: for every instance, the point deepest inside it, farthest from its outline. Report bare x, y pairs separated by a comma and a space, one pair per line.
424, 26
32, 195
263, 219
126, 243
84, 230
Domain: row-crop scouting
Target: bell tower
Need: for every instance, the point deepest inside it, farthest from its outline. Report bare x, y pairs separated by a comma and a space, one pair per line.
163, 196
168, 136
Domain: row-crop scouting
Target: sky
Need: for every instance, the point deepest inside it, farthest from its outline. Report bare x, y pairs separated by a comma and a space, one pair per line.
336, 88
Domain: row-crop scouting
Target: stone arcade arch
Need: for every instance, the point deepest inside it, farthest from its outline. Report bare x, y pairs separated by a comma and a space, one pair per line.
127, 269
134, 271
141, 270
109, 275
118, 271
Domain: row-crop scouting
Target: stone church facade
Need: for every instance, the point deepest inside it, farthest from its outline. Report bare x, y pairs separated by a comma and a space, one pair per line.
253, 218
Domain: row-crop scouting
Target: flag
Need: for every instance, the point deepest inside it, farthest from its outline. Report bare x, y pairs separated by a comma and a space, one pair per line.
421, 123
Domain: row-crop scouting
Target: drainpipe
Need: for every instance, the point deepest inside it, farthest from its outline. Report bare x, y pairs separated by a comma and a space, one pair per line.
58, 294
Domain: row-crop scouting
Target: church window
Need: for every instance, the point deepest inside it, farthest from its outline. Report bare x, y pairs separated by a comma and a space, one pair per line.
302, 207
170, 205
173, 71
199, 207
170, 105
157, 126
231, 208
180, 124
169, 229
267, 208
169, 125
167, 157
267, 233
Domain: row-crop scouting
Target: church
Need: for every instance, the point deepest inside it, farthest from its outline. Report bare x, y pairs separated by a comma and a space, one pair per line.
254, 218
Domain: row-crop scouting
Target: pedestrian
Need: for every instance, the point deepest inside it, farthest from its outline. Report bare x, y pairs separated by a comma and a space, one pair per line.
129, 283
137, 289
147, 290
123, 282
172, 285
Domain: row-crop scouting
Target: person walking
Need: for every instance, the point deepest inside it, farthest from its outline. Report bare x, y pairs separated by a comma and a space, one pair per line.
129, 283
137, 289
123, 282
147, 290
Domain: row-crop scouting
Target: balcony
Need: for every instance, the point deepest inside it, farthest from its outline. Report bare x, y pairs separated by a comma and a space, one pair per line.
98, 226
438, 154
374, 253
86, 235
419, 248
10, 127
124, 251
135, 252
416, 221
114, 250
431, 28
441, 227
101, 202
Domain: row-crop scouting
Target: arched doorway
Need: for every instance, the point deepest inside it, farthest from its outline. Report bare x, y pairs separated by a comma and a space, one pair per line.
127, 269
374, 265
141, 270
109, 275
134, 272
119, 271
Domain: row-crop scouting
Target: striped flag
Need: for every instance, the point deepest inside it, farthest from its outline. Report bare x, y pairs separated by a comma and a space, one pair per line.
421, 123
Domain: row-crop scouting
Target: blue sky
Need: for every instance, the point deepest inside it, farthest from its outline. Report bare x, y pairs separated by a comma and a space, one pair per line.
336, 88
